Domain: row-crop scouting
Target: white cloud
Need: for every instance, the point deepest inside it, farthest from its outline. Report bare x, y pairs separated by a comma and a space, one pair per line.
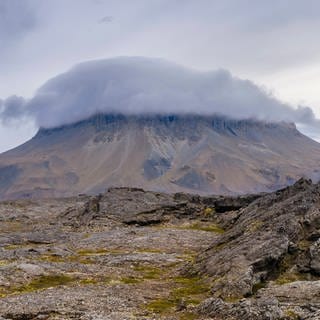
134, 85
274, 42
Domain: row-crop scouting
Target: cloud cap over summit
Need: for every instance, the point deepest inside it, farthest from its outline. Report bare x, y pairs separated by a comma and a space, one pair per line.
134, 85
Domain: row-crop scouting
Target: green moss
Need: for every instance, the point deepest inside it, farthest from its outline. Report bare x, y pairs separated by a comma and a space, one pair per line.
257, 286
220, 246
84, 256
205, 227
290, 277
147, 250
14, 246
4, 263
149, 272
304, 245
254, 226
207, 212
290, 314
287, 273
48, 281
92, 252
52, 258
89, 281
161, 305
67, 259
188, 316
44, 282
232, 299
188, 256
190, 290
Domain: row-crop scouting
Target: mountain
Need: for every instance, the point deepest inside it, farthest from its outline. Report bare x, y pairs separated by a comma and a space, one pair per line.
172, 153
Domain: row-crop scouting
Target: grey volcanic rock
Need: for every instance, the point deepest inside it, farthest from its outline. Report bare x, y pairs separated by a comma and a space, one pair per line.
101, 257
315, 257
134, 254
260, 309
269, 250
131, 206
165, 153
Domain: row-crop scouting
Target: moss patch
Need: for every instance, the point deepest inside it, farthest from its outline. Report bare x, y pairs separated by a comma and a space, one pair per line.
291, 277
290, 314
149, 272
131, 280
67, 259
147, 250
287, 273
188, 316
92, 252
15, 246
44, 282
208, 212
161, 305
189, 290
304, 245
4, 263
89, 281
254, 226
257, 286
205, 227
190, 286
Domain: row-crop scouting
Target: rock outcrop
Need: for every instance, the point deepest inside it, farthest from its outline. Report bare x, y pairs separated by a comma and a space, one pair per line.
129, 253
266, 264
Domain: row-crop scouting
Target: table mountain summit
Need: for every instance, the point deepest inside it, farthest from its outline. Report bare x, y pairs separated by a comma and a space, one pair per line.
170, 153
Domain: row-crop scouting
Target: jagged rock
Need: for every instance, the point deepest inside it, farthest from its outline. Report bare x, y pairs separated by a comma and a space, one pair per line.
315, 257
224, 204
261, 309
132, 206
267, 242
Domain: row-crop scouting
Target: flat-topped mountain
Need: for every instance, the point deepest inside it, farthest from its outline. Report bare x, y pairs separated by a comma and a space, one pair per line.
172, 153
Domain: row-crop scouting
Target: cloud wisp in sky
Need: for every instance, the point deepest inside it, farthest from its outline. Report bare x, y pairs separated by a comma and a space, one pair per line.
137, 85
17, 19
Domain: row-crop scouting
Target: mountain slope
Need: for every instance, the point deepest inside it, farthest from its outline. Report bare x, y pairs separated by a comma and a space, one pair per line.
187, 153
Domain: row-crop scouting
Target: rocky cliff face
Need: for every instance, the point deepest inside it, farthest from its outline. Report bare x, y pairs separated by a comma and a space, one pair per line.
198, 154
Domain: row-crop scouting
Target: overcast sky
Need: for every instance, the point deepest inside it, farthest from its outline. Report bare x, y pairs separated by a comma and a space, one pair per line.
273, 43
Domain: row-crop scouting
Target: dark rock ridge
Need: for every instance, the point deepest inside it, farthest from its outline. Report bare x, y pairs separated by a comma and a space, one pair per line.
166, 153
102, 122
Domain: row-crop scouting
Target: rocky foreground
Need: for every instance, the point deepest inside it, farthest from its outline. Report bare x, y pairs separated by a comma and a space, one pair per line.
132, 254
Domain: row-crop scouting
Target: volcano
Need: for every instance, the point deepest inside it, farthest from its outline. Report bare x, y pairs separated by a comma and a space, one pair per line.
171, 153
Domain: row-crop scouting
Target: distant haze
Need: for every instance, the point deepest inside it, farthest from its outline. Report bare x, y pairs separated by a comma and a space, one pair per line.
133, 85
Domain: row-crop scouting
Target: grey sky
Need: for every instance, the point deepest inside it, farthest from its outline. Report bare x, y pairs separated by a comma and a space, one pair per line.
273, 43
